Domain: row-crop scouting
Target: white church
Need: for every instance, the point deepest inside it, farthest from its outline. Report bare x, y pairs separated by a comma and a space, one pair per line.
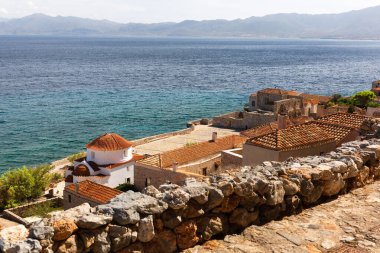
109, 161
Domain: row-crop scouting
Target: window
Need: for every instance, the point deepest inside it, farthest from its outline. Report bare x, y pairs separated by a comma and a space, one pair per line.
204, 171
125, 152
253, 103
128, 180
147, 181
69, 198
92, 154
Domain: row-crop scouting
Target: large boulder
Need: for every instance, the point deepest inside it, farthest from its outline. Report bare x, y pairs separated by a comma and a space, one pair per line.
174, 196
142, 203
38, 230
291, 187
275, 194
164, 242
146, 229
71, 214
72, 245
243, 218
171, 219
63, 229
186, 234
92, 221
207, 227
197, 190
10, 237
215, 198
333, 187
120, 236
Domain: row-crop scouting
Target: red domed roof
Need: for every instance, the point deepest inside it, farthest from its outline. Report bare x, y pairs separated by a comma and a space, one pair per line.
81, 171
109, 142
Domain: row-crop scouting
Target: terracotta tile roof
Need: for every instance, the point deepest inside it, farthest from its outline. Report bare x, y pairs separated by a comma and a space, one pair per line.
338, 132
292, 138
194, 152
94, 192
376, 89
69, 179
109, 142
278, 91
315, 97
345, 119
270, 127
81, 170
135, 158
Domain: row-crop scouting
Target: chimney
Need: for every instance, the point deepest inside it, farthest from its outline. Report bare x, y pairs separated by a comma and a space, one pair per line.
281, 121
214, 136
175, 164
76, 187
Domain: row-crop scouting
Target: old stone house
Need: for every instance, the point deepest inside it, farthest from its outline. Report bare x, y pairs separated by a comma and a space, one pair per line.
109, 161
87, 192
311, 138
196, 160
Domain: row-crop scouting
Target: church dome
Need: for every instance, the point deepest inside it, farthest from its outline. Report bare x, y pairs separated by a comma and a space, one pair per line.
81, 171
109, 142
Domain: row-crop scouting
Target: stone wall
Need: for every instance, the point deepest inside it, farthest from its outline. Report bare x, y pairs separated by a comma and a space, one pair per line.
243, 120
156, 176
173, 218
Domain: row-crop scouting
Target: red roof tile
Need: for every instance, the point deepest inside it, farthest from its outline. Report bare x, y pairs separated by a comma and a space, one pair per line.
278, 91
345, 119
109, 142
94, 192
200, 150
292, 138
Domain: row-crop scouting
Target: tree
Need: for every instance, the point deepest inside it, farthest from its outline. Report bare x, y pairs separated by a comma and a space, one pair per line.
362, 98
22, 184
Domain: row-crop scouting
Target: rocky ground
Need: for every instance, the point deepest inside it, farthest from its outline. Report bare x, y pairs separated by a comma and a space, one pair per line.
349, 224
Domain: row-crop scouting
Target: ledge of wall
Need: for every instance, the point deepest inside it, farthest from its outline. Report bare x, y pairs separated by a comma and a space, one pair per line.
173, 217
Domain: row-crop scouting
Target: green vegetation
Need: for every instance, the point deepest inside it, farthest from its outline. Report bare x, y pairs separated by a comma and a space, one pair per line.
126, 187
23, 184
41, 210
73, 157
190, 143
362, 99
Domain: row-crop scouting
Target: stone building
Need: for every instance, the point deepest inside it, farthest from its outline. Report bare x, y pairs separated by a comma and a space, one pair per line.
87, 192
376, 87
265, 106
196, 160
311, 138
109, 161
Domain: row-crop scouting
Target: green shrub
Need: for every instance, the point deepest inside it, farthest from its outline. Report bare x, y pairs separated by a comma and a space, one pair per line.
22, 184
373, 104
126, 187
73, 157
363, 98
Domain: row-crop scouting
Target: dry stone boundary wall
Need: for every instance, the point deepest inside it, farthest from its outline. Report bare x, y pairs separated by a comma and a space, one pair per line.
173, 218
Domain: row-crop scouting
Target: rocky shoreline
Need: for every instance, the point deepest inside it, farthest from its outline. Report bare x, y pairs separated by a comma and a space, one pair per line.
173, 218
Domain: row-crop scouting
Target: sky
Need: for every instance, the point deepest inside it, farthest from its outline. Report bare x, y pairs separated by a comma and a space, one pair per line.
152, 11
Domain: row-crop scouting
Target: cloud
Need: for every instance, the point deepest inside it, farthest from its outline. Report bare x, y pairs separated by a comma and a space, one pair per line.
3, 11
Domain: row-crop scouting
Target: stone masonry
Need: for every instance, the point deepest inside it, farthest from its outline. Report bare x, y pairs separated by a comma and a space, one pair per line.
174, 218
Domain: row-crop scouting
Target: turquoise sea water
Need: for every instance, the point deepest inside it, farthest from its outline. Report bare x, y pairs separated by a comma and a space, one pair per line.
56, 93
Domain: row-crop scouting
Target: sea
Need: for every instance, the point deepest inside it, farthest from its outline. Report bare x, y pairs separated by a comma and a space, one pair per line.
58, 93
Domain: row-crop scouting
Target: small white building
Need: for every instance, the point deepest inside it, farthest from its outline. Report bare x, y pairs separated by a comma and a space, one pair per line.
109, 161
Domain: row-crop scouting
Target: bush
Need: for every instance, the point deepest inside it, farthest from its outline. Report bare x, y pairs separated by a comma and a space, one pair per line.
126, 187
73, 157
363, 98
373, 104
41, 210
22, 184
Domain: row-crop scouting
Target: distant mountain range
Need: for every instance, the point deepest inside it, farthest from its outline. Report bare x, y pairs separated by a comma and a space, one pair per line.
361, 24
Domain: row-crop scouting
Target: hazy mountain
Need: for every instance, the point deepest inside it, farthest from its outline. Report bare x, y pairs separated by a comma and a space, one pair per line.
362, 24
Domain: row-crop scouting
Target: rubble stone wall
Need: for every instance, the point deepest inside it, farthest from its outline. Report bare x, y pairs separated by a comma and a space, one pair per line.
173, 218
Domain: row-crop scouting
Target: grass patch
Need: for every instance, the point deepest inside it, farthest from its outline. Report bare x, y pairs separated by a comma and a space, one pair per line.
41, 210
